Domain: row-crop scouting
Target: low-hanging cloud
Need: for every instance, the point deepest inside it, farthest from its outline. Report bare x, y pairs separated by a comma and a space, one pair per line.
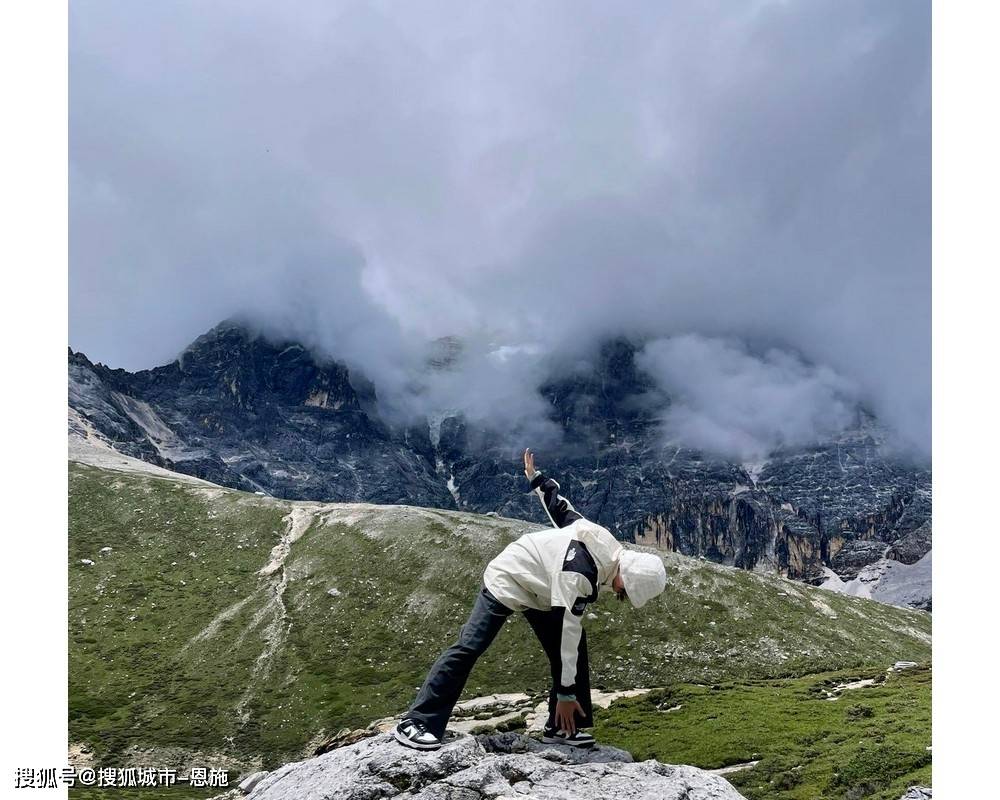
730, 402
494, 388
368, 176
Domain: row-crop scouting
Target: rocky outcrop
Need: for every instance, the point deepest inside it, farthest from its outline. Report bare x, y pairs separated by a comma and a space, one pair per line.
854, 556
480, 767
913, 546
917, 793
493, 713
243, 411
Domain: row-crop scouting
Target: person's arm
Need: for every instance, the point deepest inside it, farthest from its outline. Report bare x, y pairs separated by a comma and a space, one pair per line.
569, 593
559, 509
601, 543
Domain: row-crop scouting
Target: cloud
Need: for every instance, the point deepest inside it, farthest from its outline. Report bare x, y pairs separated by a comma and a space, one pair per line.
370, 176
730, 402
495, 388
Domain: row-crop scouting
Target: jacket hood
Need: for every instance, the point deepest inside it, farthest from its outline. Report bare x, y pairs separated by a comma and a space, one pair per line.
644, 576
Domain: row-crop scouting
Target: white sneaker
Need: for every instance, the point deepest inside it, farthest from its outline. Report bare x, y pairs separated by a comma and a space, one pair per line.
412, 733
578, 739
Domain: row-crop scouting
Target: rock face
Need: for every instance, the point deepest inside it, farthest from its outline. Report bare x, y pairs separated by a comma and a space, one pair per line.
476, 768
240, 411
913, 546
245, 412
888, 581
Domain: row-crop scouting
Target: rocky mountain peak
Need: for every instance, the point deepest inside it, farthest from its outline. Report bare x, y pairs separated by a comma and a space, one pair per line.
251, 371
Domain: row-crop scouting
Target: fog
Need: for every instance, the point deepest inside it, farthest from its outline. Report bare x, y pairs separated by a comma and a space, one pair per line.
744, 186
728, 401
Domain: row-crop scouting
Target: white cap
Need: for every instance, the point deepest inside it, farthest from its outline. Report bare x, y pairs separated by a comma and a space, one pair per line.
643, 574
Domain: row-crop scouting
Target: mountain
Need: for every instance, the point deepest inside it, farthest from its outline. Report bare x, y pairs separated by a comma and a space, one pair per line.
212, 625
247, 412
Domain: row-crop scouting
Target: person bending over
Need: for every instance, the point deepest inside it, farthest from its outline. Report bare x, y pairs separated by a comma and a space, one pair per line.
549, 576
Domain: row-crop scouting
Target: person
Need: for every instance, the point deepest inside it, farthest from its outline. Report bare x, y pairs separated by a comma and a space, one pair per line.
550, 576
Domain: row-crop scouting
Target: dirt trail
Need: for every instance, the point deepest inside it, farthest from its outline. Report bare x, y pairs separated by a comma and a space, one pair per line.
734, 768
213, 627
297, 522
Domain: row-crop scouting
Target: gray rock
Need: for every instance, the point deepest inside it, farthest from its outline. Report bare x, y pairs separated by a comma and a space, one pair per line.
517, 743
854, 556
917, 793
913, 546
250, 781
478, 768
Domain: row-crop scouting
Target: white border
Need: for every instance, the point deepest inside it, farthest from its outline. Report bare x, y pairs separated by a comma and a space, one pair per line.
33, 201
33, 221
966, 221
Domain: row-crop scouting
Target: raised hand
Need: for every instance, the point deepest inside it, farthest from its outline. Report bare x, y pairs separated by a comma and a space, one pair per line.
529, 463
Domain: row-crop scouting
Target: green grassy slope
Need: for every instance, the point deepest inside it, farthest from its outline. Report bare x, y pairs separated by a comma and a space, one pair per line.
178, 658
866, 742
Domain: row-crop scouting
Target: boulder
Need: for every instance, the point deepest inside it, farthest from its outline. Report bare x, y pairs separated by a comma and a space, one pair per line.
248, 784
481, 767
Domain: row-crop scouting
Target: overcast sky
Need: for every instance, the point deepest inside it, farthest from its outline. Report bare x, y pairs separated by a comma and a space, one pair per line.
746, 184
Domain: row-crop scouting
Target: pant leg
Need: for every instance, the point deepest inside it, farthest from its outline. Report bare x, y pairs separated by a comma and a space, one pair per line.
547, 626
583, 684
446, 679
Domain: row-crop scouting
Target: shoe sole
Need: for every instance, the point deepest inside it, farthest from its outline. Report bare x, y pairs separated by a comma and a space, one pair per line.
412, 744
559, 740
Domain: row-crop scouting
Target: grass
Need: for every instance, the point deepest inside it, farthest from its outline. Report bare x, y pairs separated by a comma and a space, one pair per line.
180, 659
869, 742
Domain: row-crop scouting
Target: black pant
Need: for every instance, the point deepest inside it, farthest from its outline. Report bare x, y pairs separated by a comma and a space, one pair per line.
446, 679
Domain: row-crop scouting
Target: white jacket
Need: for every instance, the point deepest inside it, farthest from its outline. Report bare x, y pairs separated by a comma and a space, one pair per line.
562, 568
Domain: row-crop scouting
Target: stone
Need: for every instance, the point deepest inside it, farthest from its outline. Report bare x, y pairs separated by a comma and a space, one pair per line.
917, 793
484, 767
250, 781
348, 736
